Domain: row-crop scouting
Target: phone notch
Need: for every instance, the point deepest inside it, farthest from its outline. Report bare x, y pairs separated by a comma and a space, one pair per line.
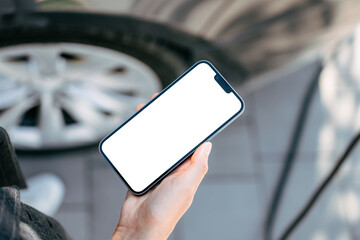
223, 84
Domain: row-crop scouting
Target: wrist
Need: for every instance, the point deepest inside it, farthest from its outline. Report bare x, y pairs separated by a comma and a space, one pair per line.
125, 233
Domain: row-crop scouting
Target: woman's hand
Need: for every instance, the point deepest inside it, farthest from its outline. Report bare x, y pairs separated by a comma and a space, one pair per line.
155, 214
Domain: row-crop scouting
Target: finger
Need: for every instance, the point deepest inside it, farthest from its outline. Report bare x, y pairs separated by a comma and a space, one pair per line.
154, 95
182, 168
128, 194
198, 164
139, 106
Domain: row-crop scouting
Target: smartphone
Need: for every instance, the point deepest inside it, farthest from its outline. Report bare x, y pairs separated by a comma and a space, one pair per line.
168, 129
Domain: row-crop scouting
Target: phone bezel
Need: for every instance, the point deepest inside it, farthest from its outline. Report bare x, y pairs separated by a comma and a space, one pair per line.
213, 134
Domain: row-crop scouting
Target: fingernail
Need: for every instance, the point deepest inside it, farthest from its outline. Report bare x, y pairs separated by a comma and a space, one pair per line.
207, 147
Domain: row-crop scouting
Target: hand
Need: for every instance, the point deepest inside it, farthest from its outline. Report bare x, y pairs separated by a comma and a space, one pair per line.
155, 214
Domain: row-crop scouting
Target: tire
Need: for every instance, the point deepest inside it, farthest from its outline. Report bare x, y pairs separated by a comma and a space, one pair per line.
167, 64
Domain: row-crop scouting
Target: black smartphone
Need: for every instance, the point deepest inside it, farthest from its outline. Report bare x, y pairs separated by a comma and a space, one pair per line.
168, 129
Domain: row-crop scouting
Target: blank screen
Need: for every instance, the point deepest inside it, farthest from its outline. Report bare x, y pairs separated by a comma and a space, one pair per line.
166, 130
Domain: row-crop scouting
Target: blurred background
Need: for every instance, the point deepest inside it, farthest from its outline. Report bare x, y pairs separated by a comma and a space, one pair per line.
73, 70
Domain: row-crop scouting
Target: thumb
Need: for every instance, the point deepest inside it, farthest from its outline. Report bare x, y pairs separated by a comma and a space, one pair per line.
199, 163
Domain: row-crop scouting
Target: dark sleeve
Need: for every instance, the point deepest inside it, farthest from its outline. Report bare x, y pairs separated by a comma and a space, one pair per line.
10, 173
19, 221
45, 227
9, 211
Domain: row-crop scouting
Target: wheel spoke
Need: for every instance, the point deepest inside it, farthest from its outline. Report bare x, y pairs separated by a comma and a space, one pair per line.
123, 83
11, 96
46, 61
90, 65
116, 103
12, 116
83, 112
51, 118
14, 72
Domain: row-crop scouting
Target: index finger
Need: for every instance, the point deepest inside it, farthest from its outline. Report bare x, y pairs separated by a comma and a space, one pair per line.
142, 104
154, 95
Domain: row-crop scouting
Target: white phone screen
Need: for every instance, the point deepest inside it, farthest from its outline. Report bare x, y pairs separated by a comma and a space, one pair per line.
167, 129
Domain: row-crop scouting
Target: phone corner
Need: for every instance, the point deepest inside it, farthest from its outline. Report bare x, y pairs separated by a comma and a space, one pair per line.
100, 145
207, 62
242, 103
242, 109
137, 193
203, 61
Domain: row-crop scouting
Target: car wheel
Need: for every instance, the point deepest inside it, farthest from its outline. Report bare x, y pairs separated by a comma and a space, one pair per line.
67, 87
